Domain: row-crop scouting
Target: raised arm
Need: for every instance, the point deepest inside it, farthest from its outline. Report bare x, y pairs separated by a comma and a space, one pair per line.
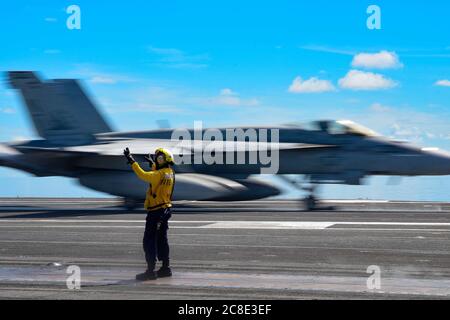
151, 177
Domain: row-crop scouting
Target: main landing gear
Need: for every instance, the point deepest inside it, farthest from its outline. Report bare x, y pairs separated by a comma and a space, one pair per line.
310, 202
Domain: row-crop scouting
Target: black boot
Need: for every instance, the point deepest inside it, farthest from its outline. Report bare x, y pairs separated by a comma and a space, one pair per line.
147, 275
165, 270
150, 274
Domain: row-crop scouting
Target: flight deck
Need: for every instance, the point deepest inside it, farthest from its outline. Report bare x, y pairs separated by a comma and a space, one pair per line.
239, 250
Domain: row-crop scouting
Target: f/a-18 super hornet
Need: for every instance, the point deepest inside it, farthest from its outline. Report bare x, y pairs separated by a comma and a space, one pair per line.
77, 142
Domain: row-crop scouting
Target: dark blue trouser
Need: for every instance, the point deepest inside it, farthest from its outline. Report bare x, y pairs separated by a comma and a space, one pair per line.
156, 243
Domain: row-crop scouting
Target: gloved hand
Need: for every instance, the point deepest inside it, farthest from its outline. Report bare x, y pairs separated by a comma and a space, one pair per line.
151, 160
128, 155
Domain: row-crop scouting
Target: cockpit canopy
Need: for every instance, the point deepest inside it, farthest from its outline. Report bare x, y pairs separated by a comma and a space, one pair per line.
338, 127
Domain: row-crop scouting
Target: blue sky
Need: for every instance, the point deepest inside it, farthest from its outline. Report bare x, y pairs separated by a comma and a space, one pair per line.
236, 63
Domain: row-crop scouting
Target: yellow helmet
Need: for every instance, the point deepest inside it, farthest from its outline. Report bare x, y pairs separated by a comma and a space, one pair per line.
167, 155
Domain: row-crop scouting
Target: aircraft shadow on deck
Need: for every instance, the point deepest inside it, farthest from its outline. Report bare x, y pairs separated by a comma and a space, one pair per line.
58, 213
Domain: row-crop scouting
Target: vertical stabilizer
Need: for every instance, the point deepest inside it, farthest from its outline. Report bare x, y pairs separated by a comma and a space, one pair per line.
60, 110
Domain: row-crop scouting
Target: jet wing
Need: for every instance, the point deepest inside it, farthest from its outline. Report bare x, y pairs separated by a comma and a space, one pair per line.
137, 147
108, 154
141, 147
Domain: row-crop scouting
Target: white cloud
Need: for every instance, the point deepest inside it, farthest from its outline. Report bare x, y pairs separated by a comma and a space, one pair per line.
381, 60
360, 80
94, 76
312, 85
227, 92
443, 83
145, 97
228, 100
402, 122
407, 133
228, 97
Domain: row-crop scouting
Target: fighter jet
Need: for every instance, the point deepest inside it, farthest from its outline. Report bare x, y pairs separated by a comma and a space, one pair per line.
77, 142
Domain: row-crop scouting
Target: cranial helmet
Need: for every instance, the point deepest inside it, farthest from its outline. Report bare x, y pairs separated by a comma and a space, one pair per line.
168, 156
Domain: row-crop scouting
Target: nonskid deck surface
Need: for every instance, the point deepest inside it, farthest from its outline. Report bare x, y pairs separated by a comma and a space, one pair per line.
243, 250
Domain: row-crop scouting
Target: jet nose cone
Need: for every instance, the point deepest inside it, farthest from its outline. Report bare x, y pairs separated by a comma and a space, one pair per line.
436, 162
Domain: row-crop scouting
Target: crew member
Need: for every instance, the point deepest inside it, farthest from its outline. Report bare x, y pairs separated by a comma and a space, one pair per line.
158, 203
